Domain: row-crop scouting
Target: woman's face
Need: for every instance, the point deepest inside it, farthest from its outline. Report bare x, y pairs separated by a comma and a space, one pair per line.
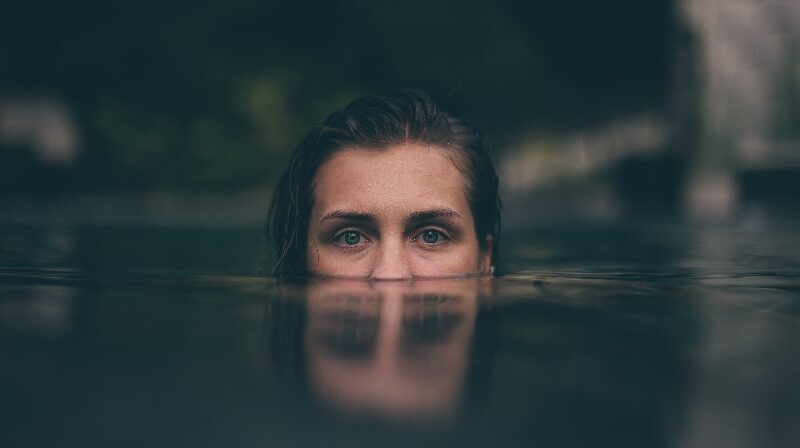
392, 214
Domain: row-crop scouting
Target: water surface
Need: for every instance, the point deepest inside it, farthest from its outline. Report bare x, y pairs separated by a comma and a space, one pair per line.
642, 334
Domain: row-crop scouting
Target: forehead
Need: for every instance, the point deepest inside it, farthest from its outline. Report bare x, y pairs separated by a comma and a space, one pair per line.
394, 179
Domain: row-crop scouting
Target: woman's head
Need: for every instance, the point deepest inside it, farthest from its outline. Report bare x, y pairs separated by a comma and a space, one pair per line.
389, 187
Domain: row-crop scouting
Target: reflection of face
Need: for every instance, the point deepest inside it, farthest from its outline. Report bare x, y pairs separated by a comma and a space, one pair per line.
390, 348
393, 213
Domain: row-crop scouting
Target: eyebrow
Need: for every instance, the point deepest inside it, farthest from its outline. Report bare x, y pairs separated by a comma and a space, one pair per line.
418, 216
349, 216
437, 213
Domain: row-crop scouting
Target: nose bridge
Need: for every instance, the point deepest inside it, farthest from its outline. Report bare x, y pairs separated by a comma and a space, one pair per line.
392, 261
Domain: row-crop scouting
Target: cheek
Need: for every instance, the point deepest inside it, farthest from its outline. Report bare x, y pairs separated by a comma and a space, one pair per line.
327, 261
464, 259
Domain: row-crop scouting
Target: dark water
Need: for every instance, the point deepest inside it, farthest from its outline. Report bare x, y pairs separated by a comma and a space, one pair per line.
644, 334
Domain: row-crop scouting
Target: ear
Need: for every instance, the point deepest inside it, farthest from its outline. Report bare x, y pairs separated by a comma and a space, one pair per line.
485, 257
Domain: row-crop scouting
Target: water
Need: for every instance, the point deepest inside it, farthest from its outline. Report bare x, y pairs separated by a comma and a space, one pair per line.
636, 334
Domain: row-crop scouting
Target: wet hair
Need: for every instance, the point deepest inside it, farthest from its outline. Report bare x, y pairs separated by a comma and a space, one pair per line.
376, 123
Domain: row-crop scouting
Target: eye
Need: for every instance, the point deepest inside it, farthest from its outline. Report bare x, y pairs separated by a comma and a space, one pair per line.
432, 237
349, 238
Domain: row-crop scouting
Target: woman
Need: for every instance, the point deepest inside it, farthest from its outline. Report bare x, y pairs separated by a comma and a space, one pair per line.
389, 188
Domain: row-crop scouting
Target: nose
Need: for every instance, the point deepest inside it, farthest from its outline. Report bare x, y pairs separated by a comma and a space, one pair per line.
392, 262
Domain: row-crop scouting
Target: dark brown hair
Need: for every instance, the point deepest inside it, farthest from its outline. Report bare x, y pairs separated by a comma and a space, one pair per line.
378, 122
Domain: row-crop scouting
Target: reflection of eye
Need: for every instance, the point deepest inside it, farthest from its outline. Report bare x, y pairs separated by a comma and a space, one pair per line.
432, 236
349, 238
348, 334
429, 327
427, 319
428, 299
433, 299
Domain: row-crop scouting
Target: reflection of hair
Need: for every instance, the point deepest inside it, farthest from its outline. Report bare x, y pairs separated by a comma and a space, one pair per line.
377, 122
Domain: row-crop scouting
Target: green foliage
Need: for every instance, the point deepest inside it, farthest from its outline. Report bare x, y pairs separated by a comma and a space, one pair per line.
211, 95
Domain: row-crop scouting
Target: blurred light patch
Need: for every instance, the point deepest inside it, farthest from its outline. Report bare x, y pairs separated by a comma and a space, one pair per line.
747, 59
46, 126
542, 161
41, 309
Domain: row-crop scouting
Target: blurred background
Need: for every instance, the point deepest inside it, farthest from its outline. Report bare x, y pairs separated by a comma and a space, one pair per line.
649, 160
185, 112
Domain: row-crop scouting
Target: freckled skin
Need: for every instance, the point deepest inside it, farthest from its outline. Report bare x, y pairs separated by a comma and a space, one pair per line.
390, 186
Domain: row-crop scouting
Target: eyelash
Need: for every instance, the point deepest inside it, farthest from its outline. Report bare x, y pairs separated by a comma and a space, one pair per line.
442, 234
338, 238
